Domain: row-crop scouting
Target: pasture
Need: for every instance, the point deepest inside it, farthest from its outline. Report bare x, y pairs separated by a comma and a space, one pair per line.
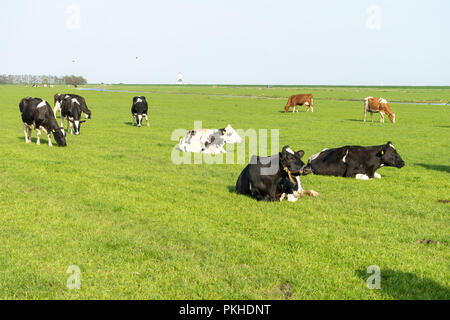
140, 227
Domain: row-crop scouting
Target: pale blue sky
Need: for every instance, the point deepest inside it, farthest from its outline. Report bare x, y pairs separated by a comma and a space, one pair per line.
230, 41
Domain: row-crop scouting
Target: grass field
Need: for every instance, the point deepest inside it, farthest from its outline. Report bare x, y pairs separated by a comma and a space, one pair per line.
140, 227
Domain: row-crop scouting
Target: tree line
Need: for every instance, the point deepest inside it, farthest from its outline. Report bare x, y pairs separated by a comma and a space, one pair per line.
42, 79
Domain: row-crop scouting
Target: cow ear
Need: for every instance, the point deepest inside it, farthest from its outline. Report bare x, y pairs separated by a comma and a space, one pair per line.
53, 130
224, 131
301, 153
388, 143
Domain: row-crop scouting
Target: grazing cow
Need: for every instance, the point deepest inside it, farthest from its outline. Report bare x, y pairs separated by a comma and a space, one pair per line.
378, 105
37, 114
355, 161
299, 100
139, 109
209, 141
60, 96
270, 178
71, 111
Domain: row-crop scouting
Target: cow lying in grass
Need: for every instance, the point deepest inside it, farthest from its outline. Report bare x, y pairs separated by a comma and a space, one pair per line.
37, 114
271, 178
355, 161
209, 141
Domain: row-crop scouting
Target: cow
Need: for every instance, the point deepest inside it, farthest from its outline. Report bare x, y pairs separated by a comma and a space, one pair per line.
71, 111
209, 141
271, 178
139, 109
355, 161
378, 105
299, 100
58, 97
37, 114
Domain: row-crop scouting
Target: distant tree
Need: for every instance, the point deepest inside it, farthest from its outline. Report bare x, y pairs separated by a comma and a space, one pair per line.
75, 80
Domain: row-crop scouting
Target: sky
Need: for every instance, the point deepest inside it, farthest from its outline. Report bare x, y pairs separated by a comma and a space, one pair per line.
314, 42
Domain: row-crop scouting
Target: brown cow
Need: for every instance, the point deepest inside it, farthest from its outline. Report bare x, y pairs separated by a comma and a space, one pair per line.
299, 100
375, 104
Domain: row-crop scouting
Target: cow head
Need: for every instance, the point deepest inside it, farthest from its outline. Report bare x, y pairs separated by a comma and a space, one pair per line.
229, 135
88, 114
389, 156
392, 117
59, 136
293, 161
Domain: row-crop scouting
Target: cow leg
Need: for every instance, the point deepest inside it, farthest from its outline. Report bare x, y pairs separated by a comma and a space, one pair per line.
311, 193
49, 136
69, 126
146, 119
371, 116
381, 117
38, 135
377, 175
133, 119
62, 121
25, 131
29, 135
361, 176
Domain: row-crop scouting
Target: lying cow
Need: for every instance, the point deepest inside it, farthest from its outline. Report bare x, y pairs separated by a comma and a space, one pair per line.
299, 100
378, 105
139, 109
209, 140
355, 161
37, 114
58, 101
271, 178
71, 111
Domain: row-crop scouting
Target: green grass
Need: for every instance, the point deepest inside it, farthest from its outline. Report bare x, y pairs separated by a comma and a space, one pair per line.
141, 227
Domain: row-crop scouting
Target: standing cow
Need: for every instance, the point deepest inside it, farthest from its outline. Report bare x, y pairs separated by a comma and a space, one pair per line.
71, 111
37, 114
378, 105
60, 96
139, 109
299, 100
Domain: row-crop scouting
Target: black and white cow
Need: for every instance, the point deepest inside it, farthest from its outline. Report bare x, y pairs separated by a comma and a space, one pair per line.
81, 101
271, 178
139, 109
37, 114
355, 161
71, 111
210, 141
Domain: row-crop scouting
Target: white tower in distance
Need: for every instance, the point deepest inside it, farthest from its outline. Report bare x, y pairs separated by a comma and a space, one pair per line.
180, 78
